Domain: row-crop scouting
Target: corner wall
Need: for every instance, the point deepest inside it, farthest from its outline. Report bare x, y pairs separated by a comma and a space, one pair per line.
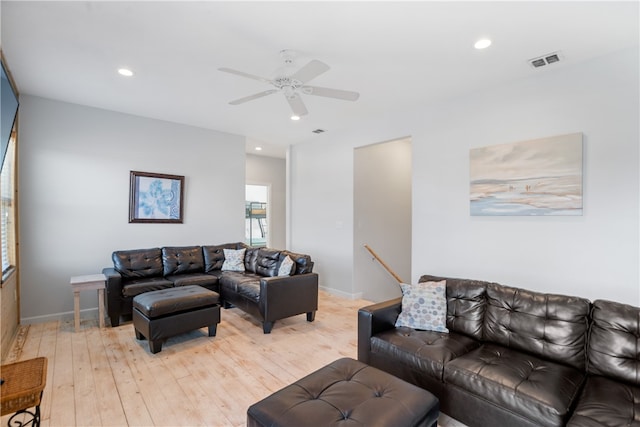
594, 256
74, 194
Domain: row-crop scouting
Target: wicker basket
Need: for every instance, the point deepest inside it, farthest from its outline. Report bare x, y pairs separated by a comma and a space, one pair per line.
23, 384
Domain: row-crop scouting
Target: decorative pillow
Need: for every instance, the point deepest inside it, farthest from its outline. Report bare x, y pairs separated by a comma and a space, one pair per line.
424, 306
286, 266
233, 260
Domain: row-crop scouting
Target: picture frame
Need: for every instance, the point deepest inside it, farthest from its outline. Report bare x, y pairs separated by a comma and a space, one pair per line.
156, 198
529, 178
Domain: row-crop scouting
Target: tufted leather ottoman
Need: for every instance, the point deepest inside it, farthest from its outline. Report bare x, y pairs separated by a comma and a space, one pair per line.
161, 314
350, 392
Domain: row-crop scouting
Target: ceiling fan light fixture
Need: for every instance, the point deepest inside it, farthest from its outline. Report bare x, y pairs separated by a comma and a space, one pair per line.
293, 84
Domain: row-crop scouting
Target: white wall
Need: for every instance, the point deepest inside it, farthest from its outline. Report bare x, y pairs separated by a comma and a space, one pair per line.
74, 169
271, 171
595, 255
382, 218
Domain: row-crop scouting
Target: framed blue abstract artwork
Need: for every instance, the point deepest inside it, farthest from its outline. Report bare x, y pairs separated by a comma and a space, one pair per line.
156, 198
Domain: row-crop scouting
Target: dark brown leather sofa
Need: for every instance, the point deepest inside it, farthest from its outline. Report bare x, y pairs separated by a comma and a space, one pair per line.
514, 357
258, 290
261, 293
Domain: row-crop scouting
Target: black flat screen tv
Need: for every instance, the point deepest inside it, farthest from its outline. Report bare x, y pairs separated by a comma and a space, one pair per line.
8, 112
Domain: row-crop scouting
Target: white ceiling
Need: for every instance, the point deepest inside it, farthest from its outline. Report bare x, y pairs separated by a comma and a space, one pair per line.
397, 55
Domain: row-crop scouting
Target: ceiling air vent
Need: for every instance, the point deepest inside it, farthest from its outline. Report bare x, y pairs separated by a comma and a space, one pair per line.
550, 58
318, 131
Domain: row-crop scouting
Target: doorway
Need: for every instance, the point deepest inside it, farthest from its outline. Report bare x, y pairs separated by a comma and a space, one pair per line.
382, 217
257, 215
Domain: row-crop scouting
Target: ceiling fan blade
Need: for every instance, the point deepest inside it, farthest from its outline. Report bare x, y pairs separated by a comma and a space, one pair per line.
252, 97
297, 106
243, 74
345, 95
310, 71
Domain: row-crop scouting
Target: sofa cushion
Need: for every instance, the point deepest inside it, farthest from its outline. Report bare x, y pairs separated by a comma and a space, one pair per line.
425, 352
518, 382
466, 304
214, 255
251, 259
614, 343
607, 403
233, 260
140, 286
303, 262
267, 262
200, 279
138, 263
182, 260
424, 306
231, 279
551, 326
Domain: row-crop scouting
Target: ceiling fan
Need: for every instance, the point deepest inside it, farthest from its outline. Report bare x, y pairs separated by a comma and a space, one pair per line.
292, 84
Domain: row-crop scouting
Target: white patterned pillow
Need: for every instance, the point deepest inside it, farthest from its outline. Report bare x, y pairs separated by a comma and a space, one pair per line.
285, 266
424, 306
233, 260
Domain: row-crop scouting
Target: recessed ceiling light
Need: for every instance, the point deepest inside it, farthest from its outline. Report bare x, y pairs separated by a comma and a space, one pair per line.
294, 117
482, 44
125, 72
258, 148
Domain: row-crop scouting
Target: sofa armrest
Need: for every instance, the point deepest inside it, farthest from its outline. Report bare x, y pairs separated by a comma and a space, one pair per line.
113, 287
286, 296
374, 319
114, 280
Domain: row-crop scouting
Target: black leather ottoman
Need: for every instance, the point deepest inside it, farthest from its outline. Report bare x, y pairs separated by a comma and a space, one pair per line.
346, 391
161, 314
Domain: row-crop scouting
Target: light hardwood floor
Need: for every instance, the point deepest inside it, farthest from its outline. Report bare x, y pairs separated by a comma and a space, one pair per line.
105, 377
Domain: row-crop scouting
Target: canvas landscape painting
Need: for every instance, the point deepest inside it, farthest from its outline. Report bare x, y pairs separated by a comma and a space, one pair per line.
537, 177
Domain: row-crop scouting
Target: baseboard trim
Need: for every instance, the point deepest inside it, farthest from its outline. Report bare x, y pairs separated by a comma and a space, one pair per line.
68, 315
342, 294
63, 316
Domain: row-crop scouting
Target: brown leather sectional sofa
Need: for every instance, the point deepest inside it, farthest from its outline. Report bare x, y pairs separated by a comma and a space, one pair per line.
514, 357
257, 290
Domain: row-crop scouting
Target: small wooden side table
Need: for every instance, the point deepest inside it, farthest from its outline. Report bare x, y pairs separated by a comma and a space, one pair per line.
23, 383
81, 283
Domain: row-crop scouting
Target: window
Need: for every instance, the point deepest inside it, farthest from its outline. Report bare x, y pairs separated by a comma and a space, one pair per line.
7, 211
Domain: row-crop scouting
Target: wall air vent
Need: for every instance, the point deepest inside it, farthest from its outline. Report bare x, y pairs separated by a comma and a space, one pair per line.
318, 131
548, 59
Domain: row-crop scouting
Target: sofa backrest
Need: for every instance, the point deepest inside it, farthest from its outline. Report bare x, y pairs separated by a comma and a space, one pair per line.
303, 262
182, 260
466, 304
554, 327
251, 259
614, 341
214, 255
214, 258
267, 262
138, 263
